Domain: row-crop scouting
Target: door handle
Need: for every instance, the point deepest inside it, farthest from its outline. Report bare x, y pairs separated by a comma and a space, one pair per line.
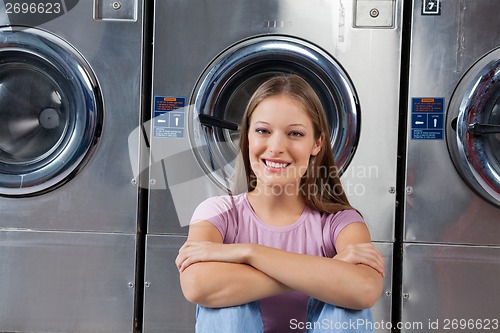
479, 129
212, 121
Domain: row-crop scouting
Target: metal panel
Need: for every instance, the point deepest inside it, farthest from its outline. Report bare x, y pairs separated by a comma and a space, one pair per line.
439, 206
383, 308
450, 288
102, 197
165, 308
66, 282
450, 268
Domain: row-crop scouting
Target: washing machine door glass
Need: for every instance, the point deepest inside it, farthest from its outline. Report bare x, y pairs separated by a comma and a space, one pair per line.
473, 131
227, 84
50, 112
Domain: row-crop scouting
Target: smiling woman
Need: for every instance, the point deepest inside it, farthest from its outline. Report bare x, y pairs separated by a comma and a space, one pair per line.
291, 100
281, 141
241, 249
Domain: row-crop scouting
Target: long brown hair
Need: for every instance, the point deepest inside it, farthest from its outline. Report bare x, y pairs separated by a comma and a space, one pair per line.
320, 184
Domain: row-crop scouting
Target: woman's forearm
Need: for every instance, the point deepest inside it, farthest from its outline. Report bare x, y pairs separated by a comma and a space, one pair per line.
221, 284
329, 280
218, 275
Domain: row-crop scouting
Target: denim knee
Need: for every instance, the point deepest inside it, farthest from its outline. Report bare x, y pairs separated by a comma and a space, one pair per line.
326, 318
241, 318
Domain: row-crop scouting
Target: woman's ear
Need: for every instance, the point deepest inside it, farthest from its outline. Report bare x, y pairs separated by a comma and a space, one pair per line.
317, 145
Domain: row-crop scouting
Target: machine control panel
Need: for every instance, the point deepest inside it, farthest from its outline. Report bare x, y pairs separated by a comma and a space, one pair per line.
374, 13
123, 10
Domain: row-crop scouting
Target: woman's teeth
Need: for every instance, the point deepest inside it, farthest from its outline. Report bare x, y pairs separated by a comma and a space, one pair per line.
276, 165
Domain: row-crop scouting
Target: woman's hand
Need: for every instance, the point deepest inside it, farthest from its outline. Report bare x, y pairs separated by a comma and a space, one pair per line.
362, 253
202, 251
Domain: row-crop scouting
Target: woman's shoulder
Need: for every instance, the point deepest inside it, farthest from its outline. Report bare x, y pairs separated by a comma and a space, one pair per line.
223, 201
343, 216
216, 206
335, 222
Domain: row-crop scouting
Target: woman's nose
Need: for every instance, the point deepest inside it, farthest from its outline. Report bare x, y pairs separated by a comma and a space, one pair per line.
276, 143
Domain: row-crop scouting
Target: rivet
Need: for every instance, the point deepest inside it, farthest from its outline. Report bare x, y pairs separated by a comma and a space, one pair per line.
374, 13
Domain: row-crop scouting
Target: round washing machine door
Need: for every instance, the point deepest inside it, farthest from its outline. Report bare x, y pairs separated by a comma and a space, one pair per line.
225, 87
473, 127
50, 111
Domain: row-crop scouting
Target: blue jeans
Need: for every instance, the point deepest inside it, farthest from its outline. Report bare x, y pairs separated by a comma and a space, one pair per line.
321, 318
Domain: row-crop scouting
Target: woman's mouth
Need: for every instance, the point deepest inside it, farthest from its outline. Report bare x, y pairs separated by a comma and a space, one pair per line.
274, 165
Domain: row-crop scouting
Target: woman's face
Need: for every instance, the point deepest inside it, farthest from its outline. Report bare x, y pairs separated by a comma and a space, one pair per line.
280, 142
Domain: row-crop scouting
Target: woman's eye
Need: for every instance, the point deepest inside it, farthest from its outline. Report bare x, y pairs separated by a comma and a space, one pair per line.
294, 133
262, 131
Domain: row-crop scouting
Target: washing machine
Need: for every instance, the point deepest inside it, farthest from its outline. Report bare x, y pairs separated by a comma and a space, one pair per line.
208, 59
70, 94
452, 205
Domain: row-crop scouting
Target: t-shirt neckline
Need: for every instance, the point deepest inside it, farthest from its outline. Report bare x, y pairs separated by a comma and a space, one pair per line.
295, 224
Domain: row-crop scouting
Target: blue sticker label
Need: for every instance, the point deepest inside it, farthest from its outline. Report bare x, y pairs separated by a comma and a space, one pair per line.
169, 117
427, 119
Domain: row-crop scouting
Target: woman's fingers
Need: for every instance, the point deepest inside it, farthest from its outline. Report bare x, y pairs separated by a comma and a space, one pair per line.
364, 253
188, 255
198, 251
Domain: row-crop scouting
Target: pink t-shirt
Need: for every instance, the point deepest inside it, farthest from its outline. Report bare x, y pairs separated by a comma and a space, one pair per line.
314, 233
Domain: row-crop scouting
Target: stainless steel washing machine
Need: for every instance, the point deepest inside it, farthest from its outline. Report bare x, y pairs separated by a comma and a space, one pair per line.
70, 94
209, 57
452, 206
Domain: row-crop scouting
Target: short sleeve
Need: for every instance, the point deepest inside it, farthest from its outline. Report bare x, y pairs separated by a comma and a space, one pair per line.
215, 210
342, 219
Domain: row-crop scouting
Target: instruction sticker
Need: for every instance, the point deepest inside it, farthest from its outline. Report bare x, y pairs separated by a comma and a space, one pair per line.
431, 7
427, 118
169, 117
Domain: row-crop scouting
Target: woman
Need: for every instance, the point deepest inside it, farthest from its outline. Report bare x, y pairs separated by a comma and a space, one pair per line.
290, 254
